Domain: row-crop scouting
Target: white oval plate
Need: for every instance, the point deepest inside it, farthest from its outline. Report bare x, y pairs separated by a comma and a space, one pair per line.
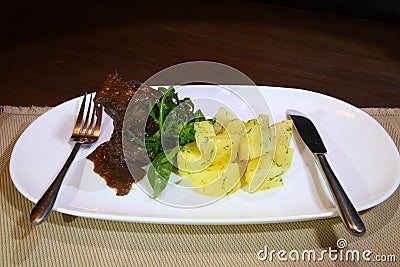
361, 153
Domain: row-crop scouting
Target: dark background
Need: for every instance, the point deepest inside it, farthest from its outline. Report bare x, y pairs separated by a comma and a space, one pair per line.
388, 10
51, 51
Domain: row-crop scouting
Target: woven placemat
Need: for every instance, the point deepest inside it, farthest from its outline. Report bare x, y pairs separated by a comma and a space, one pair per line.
64, 240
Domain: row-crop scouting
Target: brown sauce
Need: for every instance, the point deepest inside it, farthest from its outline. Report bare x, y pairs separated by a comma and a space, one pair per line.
117, 177
108, 158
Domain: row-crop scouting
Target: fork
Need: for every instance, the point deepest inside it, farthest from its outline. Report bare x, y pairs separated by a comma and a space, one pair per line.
86, 131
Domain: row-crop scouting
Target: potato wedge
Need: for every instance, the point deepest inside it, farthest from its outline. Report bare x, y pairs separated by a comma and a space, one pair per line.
189, 159
272, 180
259, 137
203, 129
283, 157
217, 180
227, 148
203, 132
217, 127
282, 133
223, 117
257, 170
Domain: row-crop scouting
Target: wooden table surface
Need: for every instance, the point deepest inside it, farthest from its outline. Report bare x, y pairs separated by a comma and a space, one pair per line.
51, 52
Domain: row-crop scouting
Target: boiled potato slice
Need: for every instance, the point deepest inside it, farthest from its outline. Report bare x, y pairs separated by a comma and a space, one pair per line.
237, 132
259, 137
236, 127
227, 148
283, 157
271, 180
257, 170
229, 128
191, 151
217, 127
244, 149
270, 183
283, 133
223, 117
252, 143
189, 158
226, 122
267, 141
203, 131
217, 180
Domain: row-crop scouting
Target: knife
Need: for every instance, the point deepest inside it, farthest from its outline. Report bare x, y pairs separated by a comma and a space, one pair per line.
310, 136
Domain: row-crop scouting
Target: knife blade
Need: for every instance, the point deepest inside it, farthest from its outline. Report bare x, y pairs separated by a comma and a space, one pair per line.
311, 138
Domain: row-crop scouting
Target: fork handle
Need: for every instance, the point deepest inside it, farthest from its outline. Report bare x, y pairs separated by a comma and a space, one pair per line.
46, 202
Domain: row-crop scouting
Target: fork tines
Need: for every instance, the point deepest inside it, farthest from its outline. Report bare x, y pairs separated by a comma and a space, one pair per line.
90, 126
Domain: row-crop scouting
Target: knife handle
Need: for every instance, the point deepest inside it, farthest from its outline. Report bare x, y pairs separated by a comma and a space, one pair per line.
346, 209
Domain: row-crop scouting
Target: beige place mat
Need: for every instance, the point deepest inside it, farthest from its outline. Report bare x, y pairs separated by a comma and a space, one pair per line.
64, 240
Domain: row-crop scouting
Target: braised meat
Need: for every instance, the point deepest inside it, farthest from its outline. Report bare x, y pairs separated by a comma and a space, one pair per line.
109, 159
115, 95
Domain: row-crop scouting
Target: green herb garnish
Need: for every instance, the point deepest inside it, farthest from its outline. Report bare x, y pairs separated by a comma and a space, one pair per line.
175, 119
